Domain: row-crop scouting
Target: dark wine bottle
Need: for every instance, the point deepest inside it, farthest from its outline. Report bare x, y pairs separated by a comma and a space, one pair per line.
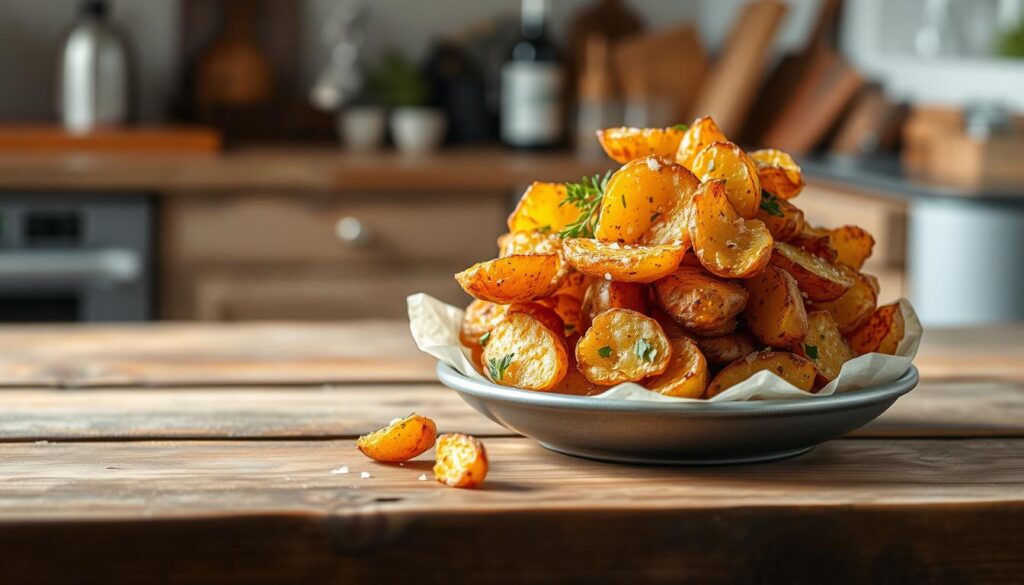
532, 82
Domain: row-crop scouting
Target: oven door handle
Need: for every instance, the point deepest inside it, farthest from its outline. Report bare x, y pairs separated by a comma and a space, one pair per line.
103, 267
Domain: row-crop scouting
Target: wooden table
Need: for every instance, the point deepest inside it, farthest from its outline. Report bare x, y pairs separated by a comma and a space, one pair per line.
204, 454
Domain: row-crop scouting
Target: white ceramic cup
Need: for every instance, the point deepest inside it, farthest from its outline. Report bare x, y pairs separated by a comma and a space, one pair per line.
417, 130
361, 128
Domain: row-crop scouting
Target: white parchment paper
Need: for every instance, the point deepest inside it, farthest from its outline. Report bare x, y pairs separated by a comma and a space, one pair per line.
435, 327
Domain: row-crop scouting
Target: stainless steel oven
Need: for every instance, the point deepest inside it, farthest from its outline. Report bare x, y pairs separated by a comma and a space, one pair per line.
75, 257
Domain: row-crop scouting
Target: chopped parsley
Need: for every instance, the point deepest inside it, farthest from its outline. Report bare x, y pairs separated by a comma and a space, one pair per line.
644, 350
681, 127
811, 351
485, 338
605, 351
585, 196
496, 368
770, 204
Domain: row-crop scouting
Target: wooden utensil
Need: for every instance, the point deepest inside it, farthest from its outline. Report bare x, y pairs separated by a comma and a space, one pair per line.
669, 64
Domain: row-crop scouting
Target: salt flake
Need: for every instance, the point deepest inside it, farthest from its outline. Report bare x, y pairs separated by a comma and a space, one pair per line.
423, 477
342, 469
365, 475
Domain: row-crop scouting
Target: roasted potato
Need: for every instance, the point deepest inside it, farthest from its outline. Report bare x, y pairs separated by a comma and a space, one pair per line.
575, 382
622, 346
512, 279
622, 262
784, 221
525, 243
460, 461
569, 309
825, 346
540, 209
671, 227
480, 317
727, 328
778, 173
605, 294
852, 244
818, 279
669, 325
625, 144
726, 348
725, 243
854, 307
401, 440
792, 368
775, 313
523, 352
700, 134
637, 196
728, 162
575, 285
687, 372
541, 312
817, 242
882, 333
698, 301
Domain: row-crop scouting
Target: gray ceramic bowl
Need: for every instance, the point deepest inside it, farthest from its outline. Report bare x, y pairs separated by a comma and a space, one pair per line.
711, 433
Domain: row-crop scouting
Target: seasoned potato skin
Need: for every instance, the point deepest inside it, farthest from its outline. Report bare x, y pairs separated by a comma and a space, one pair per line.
605, 294
622, 262
672, 227
540, 209
569, 309
622, 331
817, 278
699, 301
480, 317
540, 311
726, 244
575, 285
830, 349
687, 372
625, 144
401, 440
783, 227
728, 162
854, 307
882, 332
460, 461
853, 245
575, 382
775, 313
725, 348
778, 172
816, 241
701, 133
796, 370
512, 279
538, 355
638, 195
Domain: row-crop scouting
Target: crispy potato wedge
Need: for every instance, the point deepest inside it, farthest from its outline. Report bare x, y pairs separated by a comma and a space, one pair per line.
816, 241
882, 333
728, 162
725, 243
480, 317
775, 312
726, 348
575, 285
575, 382
540, 209
778, 172
460, 461
569, 309
669, 325
604, 294
525, 243
700, 134
853, 245
523, 352
622, 346
671, 227
727, 328
638, 195
854, 307
699, 301
687, 372
784, 221
625, 144
622, 262
512, 279
401, 440
825, 346
818, 279
541, 312
792, 368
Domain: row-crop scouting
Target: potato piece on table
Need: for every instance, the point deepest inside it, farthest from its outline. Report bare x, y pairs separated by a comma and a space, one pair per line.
725, 243
401, 440
638, 195
725, 349
853, 245
540, 209
792, 368
605, 294
569, 309
817, 278
512, 279
698, 301
460, 461
727, 162
625, 144
622, 346
825, 346
480, 317
784, 221
854, 307
687, 372
882, 333
778, 172
523, 352
775, 312
701, 133
622, 262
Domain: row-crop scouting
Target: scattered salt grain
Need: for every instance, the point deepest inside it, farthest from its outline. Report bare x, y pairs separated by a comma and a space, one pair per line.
342, 469
42, 442
614, 245
423, 477
395, 421
365, 475
607, 275
653, 164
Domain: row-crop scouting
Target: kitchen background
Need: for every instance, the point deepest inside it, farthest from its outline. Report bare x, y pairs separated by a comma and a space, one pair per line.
246, 177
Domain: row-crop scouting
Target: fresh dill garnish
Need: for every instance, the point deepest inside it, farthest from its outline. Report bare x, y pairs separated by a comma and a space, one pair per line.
644, 350
586, 197
497, 367
770, 204
605, 351
811, 351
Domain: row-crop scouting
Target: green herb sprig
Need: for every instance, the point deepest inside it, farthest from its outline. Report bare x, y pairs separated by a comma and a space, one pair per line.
811, 351
605, 351
585, 196
770, 204
681, 127
645, 351
496, 368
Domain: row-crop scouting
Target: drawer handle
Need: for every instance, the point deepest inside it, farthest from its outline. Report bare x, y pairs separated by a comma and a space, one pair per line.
353, 232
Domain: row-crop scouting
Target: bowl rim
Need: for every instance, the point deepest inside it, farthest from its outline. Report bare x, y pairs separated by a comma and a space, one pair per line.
454, 379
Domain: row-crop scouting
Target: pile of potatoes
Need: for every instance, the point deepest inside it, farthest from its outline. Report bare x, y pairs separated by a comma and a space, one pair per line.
700, 272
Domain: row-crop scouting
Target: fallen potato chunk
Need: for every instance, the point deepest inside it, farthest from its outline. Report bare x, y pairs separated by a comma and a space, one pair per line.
524, 352
622, 262
783, 219
512, 279
792, 368
625, 144
698, 301
775, 312
853, 245
778, 173
622, 346
606, 294
727, 162
725, 348
882, 333
825, 346
540, 209
725, 243
687, 372
638, 195
700, 134
401, 440
817, 278
479, 319
854, 307
461, 461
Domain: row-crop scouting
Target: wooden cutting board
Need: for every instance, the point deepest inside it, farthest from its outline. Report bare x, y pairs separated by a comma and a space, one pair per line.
670, 64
